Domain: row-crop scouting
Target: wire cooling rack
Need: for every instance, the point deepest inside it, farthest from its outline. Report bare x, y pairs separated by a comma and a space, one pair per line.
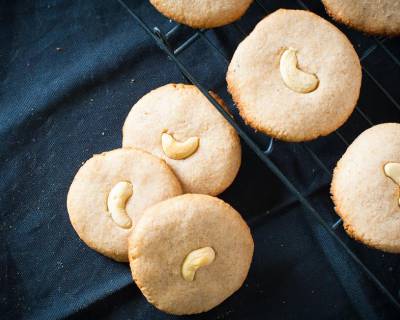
388, 92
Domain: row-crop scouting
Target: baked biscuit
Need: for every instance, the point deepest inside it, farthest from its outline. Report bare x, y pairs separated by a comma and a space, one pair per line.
202, 13
379, 17
295, 77
190, 253
109, 194
366, 188
178, 124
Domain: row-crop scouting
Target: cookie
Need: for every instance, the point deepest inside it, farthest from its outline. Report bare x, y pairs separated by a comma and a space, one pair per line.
374, 17
176, 122
109, 194
295, 77
202, 13
189, 253
366, 188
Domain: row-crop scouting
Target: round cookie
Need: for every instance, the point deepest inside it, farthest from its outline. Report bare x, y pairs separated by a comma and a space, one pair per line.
365, 188
374, 17
190, 230
109, 194
202, 13
295, 77
177, 123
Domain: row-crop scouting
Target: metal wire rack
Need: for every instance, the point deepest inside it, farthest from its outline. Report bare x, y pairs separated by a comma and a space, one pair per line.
163, 40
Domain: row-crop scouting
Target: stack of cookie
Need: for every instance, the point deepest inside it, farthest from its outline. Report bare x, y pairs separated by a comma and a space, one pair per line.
187, 252
295, 78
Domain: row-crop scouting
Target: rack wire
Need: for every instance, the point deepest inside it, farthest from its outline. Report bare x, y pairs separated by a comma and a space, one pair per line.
163, 42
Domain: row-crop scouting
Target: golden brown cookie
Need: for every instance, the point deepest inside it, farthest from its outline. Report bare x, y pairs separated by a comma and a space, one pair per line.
202, 13
379, 17
109, 194
177, 123
366, 188
295, 77
190, 253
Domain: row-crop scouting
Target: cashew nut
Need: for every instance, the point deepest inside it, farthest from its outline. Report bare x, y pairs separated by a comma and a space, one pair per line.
294, 78
196, 259
392, 170
178, 150
116, 203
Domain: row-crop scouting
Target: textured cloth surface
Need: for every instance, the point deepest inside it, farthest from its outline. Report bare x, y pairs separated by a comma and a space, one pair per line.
69, 73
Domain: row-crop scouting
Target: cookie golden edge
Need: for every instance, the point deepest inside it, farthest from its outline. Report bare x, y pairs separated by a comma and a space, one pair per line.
235, 137
350, 230
279, 135
92, 244
198, 24
372, 31
285, 136
233, 134
147, 293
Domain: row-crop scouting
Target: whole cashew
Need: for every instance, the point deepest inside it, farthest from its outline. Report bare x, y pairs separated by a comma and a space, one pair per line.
178, 150
392, 170
116, 203
196, 259
294, 78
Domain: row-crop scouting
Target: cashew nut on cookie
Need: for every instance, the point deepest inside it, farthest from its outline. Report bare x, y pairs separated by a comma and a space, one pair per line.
293, 77
176, 150
116, 203
196, 259
392, 170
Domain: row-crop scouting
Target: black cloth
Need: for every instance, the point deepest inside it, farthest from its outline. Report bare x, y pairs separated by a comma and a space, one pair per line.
69, 73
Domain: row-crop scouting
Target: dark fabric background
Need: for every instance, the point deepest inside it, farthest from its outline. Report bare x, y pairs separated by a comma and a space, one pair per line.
69, 73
